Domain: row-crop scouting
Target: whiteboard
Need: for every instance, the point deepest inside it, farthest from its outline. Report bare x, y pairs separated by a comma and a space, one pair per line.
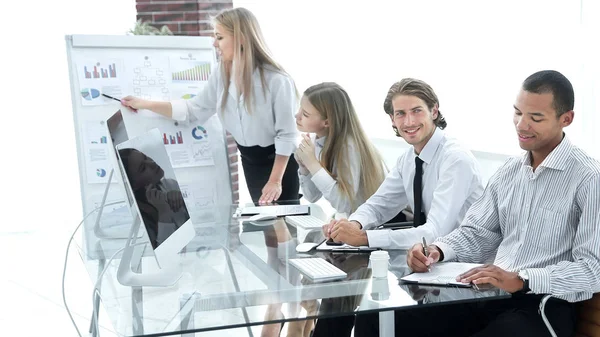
157, 68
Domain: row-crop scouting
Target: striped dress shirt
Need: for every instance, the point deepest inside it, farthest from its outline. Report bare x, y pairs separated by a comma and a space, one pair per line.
546, 222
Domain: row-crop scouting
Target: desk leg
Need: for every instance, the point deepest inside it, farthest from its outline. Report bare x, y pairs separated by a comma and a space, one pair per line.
187, 316
137, 310
96, 303
237, 288
95, 316
386, 323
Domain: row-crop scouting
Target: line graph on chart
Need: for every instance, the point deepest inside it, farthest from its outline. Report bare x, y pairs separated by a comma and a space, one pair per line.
201, 151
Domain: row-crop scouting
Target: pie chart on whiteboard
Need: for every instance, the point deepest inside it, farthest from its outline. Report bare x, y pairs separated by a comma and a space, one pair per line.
90, 94
101, 172
199, 133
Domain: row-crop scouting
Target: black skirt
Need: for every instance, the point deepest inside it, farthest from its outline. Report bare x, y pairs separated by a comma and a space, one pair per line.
257, 163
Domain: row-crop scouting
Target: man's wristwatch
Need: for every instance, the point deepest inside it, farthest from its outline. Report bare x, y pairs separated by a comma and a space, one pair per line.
523, 275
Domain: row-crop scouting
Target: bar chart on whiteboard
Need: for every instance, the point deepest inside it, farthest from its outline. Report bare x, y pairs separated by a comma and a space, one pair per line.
187, 146
99, 76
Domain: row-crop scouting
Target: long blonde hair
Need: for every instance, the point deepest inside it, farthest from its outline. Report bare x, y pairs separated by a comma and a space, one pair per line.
334, 104
250, 52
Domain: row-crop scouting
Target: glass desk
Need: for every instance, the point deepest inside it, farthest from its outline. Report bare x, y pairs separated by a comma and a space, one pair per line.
236, 275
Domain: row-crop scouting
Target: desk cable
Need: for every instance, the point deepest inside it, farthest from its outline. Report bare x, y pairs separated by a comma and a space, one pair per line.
66, 259
96, 290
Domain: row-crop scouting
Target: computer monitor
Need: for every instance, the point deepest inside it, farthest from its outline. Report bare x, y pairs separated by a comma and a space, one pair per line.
117, 133
116, 128
158, 207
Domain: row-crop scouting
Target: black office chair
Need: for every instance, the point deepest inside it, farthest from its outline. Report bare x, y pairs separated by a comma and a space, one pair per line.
401, 221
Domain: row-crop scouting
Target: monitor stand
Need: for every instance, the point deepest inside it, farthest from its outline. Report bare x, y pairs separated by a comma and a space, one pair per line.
98, 230
130, 273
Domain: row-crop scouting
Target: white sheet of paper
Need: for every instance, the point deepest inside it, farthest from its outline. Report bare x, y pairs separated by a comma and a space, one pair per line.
279, 210
99, 76
444, 273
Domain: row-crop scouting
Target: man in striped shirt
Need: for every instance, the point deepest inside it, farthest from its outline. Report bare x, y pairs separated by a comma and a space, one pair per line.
539, 219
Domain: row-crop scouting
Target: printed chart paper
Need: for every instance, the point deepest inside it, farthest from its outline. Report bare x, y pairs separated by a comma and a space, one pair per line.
97, 77
95, 146
149, 79
187, 146
200, 201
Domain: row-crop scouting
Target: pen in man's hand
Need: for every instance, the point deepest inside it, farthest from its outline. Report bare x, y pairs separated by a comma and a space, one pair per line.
425, 251
107, 96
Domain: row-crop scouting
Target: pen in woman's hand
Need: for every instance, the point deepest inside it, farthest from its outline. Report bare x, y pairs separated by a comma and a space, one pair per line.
110, 97
426, 252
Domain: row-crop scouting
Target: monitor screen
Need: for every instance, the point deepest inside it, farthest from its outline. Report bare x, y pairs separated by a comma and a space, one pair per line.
116, 128
117, 134
150, 179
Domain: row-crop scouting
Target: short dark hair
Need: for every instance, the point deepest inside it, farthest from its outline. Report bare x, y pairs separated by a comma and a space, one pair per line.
417, 88
551, 81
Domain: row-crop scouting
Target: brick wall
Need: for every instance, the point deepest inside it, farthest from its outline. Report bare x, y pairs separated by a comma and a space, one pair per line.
183, 17
190, 17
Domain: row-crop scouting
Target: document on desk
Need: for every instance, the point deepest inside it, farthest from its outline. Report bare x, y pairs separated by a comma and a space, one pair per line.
443, 273
278, 210
344, 248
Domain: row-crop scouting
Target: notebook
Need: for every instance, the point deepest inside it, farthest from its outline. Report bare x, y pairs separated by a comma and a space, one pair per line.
443, 273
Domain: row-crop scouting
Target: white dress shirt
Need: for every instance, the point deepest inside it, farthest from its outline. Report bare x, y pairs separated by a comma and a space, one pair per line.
544, 221
272, 119
321, 184
451, 183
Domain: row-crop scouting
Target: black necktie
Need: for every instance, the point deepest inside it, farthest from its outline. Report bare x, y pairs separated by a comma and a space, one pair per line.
417, 192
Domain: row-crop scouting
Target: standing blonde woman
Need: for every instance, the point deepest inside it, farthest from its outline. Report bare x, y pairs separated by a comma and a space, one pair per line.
255, 100
340, 164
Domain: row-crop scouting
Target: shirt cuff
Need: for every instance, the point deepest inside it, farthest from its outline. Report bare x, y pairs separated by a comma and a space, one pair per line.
322, 180
340, 215
307, 175
379, 238
539, 280
179, 110
284, 147
363, 220
449, 254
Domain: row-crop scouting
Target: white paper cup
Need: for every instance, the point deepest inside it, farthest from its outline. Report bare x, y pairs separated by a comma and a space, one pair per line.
379, 263
380, 290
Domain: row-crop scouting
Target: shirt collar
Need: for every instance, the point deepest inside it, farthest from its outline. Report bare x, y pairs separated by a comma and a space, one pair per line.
432, 145
320, 142
233, 90
558, 159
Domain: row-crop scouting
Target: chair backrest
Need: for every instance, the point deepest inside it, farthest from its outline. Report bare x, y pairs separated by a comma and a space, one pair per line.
588, 319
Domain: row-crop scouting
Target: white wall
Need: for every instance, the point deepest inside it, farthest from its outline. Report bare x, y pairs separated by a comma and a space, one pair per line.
391, 149
39, 165
475, 54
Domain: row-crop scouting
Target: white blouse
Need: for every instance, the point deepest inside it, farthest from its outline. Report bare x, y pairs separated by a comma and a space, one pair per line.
321, 184
272, 119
